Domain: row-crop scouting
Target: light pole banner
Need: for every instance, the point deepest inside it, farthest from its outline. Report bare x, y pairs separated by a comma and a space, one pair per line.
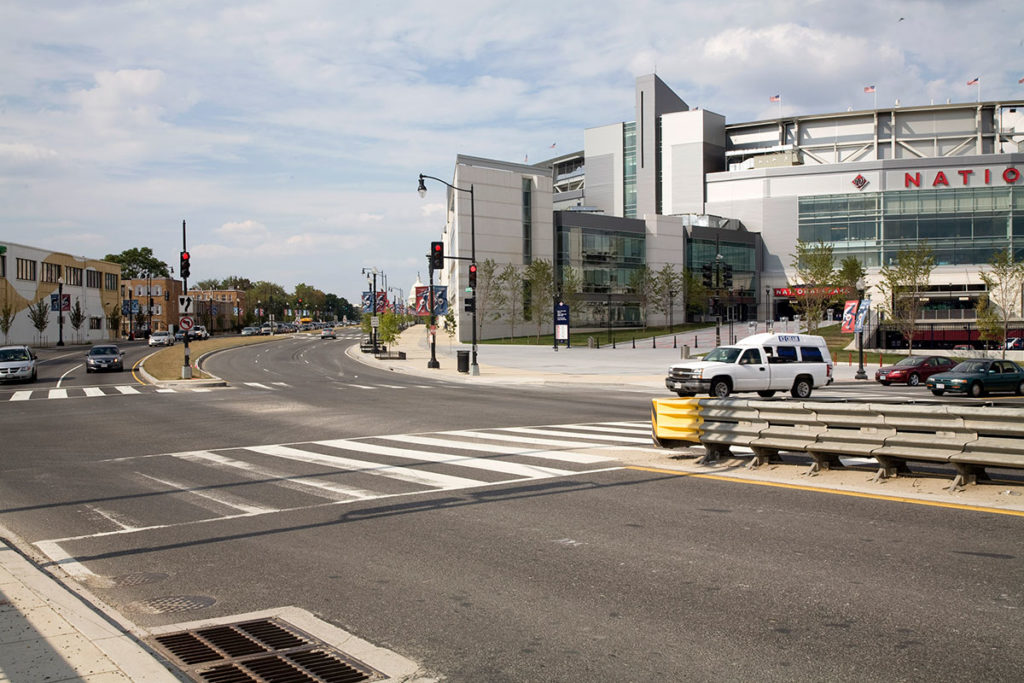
440, 300
849, 317
862, 315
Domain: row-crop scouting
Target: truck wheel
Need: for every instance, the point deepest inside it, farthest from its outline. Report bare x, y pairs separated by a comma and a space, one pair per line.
801, 388
719, 388
766, 394
684, 394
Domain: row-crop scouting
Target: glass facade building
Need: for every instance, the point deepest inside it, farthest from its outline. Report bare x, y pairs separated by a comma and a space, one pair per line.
963, 226
629, 169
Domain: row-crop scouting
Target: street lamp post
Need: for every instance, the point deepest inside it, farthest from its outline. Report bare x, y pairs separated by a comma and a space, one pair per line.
432, 364
474, 368
860, 334
767, 308
371, 279
60, 311
671, 309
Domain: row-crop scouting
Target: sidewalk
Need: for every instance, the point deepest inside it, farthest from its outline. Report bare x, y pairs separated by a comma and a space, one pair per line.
49, 633
642, 368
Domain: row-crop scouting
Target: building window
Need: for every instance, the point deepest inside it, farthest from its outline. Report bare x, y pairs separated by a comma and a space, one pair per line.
51, 272
629, 169
93, 279
73, 276
3, 265
95, 323
111, 280
527, 221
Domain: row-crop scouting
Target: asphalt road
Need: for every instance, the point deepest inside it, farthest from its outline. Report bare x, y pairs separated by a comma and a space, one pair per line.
490, 553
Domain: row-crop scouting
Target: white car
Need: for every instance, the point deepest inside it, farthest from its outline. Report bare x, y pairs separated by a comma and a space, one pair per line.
199, 332
17, 363
328, 333
161, 339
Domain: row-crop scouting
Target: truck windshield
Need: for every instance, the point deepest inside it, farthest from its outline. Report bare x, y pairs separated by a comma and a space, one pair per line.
724, 354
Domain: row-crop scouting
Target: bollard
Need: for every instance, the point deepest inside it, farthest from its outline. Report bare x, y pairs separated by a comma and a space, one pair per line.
654, 342
613, 342
850, 361
695, 342
674, 342
634, 342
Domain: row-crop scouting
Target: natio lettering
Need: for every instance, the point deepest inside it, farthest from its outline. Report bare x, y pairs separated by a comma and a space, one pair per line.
1010, 176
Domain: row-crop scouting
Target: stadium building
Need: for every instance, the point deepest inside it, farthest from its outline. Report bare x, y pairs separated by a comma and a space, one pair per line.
681, 185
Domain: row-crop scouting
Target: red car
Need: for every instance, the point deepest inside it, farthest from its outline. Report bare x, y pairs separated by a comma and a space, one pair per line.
913, 370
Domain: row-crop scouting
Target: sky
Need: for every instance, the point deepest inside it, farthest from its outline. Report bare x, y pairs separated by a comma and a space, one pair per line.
289, 134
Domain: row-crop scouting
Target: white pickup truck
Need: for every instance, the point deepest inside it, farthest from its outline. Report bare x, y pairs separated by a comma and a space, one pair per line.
765, 363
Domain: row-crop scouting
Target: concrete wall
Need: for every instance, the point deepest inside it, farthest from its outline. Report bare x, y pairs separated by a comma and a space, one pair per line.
693, 143
603, 149
665, 245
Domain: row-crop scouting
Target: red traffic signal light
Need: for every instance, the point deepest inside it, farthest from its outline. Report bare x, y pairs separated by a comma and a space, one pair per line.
472, 275
437, 255
185, 264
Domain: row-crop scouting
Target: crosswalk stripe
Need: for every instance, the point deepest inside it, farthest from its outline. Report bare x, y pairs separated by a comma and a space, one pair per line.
501, 450
165, 391
93, 391
281, 384
597, 437
360, 386
127, 389
506, 438
412, 476
321, 488
21, 395
613, 430
218, 498
505, 467
257, 385
58, 393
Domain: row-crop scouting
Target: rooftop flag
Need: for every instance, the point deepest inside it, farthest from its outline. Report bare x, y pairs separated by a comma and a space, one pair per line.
552, 146
1021, 81
869, 88
972, 81
775, 98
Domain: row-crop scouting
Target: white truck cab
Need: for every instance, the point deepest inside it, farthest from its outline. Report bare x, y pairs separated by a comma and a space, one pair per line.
765, 363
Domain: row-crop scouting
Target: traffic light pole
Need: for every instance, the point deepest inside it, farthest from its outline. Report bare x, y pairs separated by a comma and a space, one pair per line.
432, 364
186, 369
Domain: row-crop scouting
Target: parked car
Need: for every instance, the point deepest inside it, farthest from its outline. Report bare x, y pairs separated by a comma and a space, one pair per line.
963, 347
249, 331
979, 376
913, 370
161, 339
179, 336
328, 333
17, 364
199, 332
104, 357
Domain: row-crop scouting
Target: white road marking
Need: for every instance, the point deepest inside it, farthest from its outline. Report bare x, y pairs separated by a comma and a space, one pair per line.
21, 395
73, 368
502, 450
360, 386
502, 466
58, 393
221, 499
506, 438
165, 391
407, 474
59, 557
127, 389
613, 430
112, 518
597, 437
321, 488
257, 385
93, 391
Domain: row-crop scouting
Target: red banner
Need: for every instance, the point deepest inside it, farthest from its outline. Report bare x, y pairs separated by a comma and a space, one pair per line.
849, 317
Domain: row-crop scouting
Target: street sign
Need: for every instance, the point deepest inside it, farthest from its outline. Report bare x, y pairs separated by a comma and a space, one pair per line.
375, 321
186, 323
185, 305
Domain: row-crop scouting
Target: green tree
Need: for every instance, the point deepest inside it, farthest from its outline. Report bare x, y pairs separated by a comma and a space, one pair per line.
696, 294
990, 323
814, 266
269, 296
668, 285
39, 314
1004, 281
450, 323
77, 319
508, 296
236, 282
540, 283
114, 321
211, 283
387, 333
138, 260
6, 319
850, 274
902, 284
486, 286
571, 290
641, 286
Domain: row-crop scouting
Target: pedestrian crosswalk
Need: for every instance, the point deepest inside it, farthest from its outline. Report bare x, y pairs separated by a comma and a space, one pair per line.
199, 486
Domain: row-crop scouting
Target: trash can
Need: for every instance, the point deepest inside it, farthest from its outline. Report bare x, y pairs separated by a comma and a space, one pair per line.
463, 360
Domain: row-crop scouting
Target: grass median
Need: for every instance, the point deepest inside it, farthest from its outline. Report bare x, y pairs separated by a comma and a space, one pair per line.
166, 363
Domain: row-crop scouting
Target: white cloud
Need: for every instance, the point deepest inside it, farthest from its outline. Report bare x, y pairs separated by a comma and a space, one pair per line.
289, 133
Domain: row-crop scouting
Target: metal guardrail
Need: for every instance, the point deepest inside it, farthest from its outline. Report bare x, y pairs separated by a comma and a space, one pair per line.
970, 439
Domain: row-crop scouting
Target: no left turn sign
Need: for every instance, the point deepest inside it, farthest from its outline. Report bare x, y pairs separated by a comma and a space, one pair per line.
186, 323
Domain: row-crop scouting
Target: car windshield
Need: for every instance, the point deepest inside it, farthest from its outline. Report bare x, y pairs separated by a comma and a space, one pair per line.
972, 366
103, 351
909, 361
723, 354
8, 355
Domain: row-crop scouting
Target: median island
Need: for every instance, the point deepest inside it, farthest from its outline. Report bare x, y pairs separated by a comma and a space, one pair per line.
166, 364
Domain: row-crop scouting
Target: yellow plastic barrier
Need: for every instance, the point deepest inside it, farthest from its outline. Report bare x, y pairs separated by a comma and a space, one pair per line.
675, 419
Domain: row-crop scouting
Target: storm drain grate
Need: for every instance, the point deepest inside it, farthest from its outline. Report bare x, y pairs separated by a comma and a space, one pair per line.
263, 651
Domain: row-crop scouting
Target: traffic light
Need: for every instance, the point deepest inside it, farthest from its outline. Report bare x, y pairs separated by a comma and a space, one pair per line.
707, 277
470, 305
437, 255
472, 276
185, 264
726, 276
